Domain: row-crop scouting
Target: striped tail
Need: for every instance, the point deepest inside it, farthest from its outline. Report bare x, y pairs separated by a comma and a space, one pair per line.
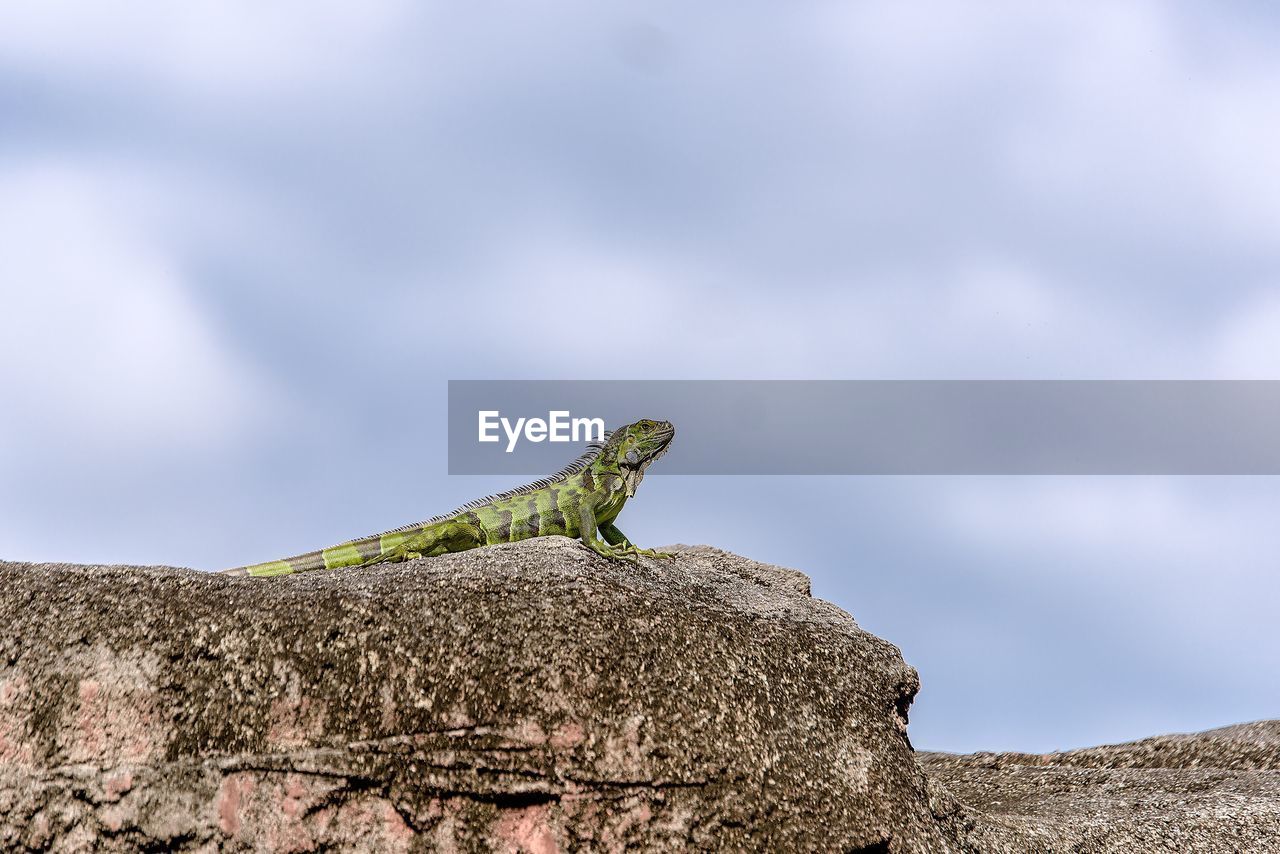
453, 533
285, 566
362, 552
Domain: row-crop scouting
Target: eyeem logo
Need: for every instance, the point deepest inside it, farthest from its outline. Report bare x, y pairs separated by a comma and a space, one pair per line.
558, 426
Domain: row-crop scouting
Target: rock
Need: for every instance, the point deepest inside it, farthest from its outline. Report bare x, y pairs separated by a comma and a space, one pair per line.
537, 698
531, 697
1213, 791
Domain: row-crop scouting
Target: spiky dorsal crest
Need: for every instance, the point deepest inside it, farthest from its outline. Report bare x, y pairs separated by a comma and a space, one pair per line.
593, 451
590, 455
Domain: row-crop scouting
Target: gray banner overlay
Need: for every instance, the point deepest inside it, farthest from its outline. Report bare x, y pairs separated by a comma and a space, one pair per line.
890, 427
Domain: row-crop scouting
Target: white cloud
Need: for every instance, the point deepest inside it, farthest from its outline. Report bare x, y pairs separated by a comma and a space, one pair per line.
1156, 134
1183, 567
1246, 344
1119, 527
988, 317
212, 48
1141, 120
103, 343
1110, 141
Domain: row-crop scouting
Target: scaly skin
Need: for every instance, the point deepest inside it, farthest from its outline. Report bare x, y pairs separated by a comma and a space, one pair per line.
581, 501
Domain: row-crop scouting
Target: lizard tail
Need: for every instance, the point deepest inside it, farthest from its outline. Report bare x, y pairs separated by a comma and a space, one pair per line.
355, 553
410, 541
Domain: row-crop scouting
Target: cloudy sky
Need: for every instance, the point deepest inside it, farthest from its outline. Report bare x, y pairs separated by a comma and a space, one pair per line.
243, 248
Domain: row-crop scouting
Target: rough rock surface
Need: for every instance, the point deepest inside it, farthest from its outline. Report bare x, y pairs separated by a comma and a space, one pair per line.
528, 697
1213, 791
536, 698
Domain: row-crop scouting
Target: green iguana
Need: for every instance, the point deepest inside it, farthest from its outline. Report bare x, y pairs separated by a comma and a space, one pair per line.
582, 498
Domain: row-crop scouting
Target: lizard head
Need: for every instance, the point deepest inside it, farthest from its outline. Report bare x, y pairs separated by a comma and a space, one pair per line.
637, 445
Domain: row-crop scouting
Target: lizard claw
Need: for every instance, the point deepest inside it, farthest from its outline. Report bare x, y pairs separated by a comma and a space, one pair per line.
634, 552
623, 553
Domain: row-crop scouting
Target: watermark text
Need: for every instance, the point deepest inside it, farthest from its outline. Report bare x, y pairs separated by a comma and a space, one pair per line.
558, 426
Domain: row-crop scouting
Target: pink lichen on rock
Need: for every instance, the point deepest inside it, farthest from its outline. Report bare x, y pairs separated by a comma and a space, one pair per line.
620, 822
394, 826
371, 821
111, 819
293, 796
235, 789
567, 736
526, 831
114, 717
117, 784
294, 721
10, 689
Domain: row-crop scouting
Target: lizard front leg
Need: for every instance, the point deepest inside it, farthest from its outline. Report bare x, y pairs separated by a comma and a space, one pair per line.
587, 528
614, 537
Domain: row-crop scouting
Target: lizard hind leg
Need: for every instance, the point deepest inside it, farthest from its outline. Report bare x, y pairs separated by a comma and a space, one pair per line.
455, 537
433, 540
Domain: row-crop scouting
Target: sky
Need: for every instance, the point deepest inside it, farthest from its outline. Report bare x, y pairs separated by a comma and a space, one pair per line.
243, 247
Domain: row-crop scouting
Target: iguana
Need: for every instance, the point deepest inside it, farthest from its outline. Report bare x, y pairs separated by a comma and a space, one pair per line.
582, 498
